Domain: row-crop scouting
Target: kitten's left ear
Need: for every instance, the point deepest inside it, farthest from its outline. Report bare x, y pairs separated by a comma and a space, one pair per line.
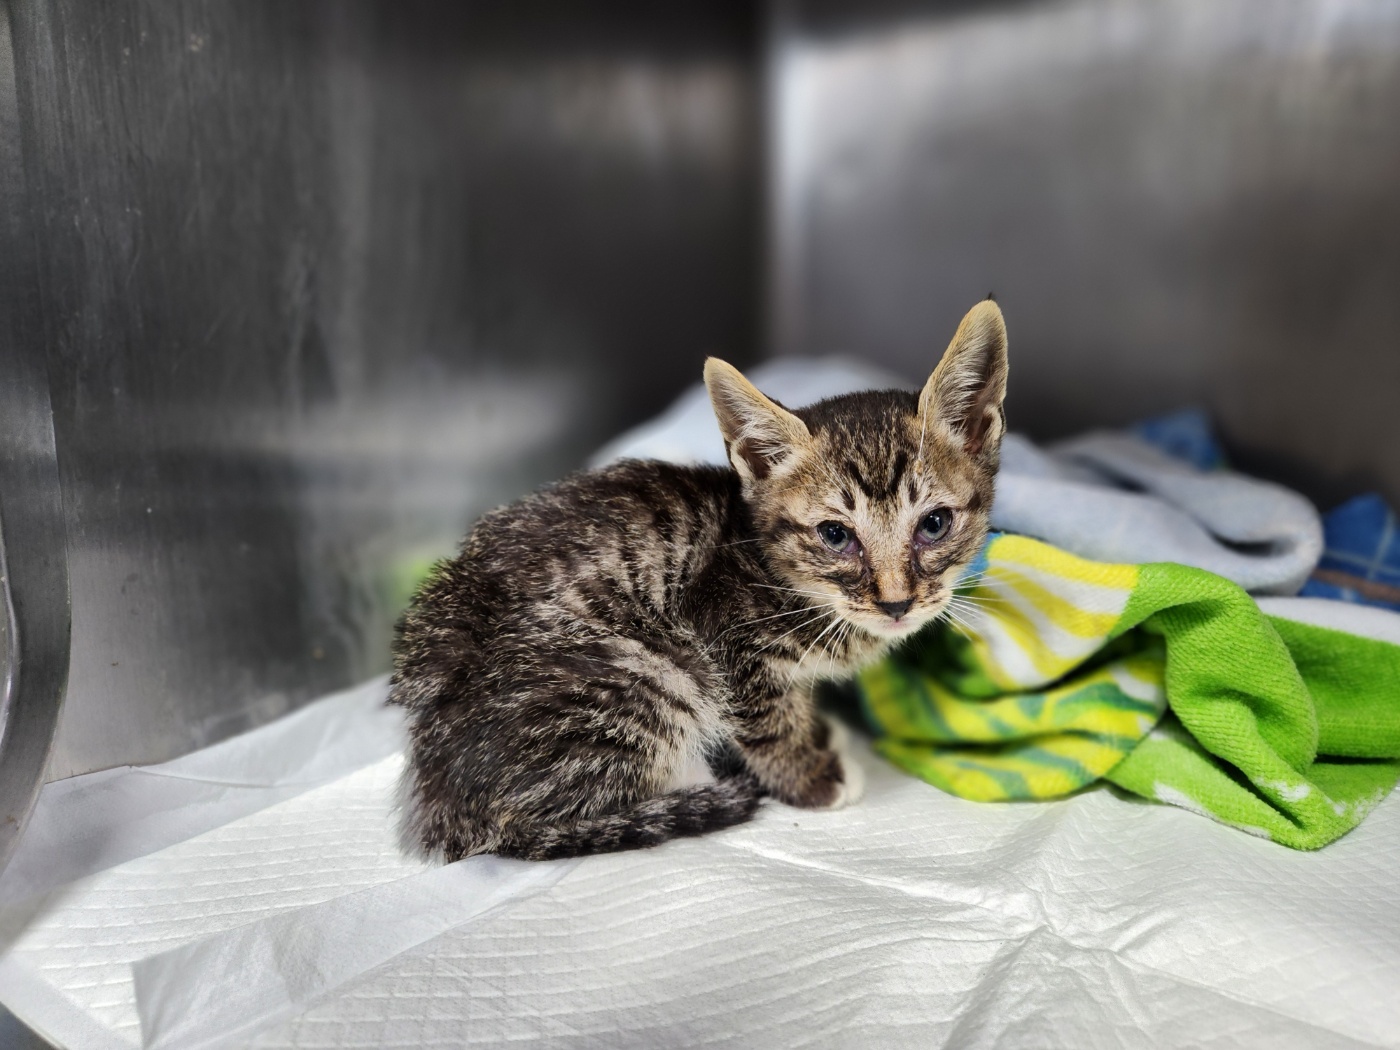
962, 399
758, 432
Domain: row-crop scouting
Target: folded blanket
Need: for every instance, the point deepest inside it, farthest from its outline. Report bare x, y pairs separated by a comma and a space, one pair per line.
1109, 496
1164, 679
1114, 497
1360, 560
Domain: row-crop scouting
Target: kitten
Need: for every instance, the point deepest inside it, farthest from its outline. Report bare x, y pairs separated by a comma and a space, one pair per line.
593, 641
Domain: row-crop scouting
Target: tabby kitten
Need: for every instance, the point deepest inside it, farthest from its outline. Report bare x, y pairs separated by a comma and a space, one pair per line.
571, 672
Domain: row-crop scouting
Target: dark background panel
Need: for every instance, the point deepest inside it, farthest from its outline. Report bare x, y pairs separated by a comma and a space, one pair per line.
1181, 202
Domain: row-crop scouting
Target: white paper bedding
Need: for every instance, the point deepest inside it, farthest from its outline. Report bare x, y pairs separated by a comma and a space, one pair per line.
911, 920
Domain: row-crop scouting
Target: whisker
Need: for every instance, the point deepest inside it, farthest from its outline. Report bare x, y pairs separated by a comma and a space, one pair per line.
961, 616
951, 609
991, 596
961, 628
971, 602
799, 627
976, 603
958, 618
970, 613
956, 622
841, 637
830, 651
775, 616
795, 590
971, 585
797, 666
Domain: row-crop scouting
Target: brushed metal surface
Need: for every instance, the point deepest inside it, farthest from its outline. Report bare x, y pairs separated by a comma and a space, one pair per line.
1181, 201
323, 281
34, 618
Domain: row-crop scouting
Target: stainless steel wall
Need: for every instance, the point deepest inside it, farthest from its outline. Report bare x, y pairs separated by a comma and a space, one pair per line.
1175, 201
316, 283
34, 612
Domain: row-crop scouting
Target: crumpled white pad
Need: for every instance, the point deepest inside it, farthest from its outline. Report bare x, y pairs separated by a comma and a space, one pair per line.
211, 991
1105, 496
82, 938
917, 920
87, 823
912, 919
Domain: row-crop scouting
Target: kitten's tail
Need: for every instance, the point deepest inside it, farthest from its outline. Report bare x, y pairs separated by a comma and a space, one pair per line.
689, 811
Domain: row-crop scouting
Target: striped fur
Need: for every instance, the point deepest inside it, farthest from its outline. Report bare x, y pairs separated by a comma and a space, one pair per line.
592, 643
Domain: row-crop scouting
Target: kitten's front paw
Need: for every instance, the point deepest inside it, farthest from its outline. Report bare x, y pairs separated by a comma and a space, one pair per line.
852, 777
836, 736
852, 788
839, 783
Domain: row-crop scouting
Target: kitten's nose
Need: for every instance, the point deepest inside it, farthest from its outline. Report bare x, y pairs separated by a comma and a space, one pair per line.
896, 609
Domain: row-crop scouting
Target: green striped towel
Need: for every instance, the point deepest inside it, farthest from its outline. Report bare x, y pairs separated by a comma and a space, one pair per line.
1169, 681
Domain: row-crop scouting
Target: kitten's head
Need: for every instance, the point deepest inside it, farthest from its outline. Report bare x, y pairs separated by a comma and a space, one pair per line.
875, 502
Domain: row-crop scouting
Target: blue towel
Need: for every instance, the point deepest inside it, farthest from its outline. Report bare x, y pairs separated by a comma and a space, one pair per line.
1186, 435
1361, 557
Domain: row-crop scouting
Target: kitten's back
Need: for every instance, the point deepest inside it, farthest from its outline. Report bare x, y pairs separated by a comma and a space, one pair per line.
555, 685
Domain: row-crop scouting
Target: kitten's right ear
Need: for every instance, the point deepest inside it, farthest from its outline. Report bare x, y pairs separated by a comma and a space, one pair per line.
962, 399
758, 432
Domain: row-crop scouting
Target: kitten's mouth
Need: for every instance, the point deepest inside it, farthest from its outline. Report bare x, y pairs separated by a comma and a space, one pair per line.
882, 625
885, 627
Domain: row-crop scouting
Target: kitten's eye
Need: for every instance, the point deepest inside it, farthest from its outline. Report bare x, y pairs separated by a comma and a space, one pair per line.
934, 526
836, 536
